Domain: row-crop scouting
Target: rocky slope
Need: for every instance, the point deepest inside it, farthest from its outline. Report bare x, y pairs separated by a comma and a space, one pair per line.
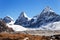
4, 28
23, 20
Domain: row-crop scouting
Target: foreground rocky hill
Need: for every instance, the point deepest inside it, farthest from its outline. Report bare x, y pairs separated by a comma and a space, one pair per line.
4, 28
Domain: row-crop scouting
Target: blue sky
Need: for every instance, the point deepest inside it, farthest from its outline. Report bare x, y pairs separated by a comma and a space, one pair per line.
13, 8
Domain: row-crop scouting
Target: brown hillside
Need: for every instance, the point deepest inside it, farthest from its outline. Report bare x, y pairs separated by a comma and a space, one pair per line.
4, 28
7, 36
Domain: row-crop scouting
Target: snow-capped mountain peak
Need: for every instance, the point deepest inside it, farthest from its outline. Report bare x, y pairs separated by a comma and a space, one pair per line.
47, 9
8, 19
22, 19
48, 12
23, 14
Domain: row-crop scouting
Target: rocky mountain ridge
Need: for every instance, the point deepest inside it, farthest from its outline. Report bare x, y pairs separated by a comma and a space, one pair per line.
46, 20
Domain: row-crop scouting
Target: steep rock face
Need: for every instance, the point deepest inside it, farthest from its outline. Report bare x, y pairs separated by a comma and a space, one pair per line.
47, 14
7, 19
4, 28
23, 19
45, 17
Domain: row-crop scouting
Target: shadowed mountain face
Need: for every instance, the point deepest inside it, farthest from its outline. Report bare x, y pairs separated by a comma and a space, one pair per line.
4, 28
47, 14
45, 17
7, 19
23, 19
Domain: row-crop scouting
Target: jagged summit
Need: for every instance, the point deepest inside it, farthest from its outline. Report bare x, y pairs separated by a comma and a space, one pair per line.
22, 19
48, 12
23, 14
47, 9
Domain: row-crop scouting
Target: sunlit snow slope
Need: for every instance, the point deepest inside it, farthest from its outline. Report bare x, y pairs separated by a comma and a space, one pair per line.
17, 27
51, 26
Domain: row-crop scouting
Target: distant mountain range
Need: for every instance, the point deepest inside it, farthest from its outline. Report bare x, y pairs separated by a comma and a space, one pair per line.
46, 20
